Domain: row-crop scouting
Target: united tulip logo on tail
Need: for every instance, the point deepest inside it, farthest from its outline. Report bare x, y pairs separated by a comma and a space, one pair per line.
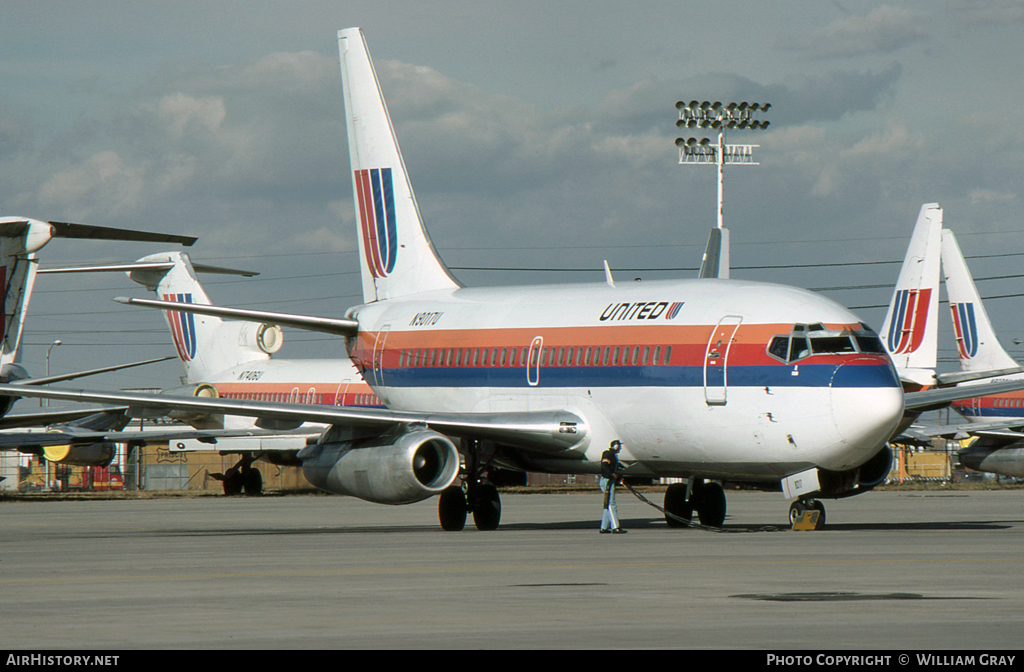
910, 316
966, 328
377, 215
183, 327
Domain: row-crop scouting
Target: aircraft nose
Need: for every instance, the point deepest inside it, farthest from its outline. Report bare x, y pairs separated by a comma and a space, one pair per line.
867, 404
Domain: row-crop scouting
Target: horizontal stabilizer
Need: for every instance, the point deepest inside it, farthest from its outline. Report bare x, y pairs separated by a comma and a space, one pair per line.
341, 327
147, 266
88, 232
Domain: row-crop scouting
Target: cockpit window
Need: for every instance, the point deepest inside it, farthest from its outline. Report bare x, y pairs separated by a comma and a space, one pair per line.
798, 348
870, 343
814, 339
831, 344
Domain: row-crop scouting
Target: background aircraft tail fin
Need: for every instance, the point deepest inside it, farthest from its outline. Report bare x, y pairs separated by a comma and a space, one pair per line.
19, 242
206, 345
911, 331
715, 263
976, 341
398, 257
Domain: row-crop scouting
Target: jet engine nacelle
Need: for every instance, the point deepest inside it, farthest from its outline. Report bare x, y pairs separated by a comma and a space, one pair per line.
82, 455
197, 420
416, 465
9, 374
839, 484
266, 338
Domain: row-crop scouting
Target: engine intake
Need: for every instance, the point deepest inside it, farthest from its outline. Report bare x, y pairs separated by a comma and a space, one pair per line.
839, 484
82, 455
414, 466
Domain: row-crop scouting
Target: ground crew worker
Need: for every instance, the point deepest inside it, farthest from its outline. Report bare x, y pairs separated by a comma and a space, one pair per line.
610, 468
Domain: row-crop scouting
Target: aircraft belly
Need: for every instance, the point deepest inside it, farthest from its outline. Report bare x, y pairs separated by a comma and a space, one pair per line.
761, 432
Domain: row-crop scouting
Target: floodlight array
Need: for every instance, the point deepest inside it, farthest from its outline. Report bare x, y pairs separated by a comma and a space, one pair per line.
715, 115
695, 146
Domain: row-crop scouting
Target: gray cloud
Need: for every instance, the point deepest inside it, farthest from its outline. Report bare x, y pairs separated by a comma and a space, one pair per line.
883, 30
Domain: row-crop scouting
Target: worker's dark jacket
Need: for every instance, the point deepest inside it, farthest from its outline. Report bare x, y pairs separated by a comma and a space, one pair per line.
609, 463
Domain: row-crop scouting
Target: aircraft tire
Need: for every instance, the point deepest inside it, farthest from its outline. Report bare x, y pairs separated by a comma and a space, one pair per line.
677, 505
796, 509
252, 482
233, 483
711, 508
452, 509
486, 505
818, 506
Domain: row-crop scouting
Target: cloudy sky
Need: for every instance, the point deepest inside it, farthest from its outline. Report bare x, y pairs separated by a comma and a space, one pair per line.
537, 135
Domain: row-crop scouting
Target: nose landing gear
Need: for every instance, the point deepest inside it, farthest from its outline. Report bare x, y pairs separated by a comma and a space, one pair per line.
798, 508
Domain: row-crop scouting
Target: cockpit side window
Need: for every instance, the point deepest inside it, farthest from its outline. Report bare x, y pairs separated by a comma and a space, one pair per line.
779, 347
870, 343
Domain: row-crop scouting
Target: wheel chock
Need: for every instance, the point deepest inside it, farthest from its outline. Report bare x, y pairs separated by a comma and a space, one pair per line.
808, 520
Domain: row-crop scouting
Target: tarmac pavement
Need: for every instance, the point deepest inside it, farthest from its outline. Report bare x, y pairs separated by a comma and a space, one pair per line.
892, 570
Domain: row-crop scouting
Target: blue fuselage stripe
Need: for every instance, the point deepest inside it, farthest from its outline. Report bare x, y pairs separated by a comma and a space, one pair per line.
814, 375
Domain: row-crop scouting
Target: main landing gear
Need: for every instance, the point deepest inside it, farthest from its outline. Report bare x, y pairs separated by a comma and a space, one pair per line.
476, 495
243, 477
707, 499
800, 506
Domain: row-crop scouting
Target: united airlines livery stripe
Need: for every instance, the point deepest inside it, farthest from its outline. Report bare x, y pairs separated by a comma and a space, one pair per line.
375, 192
966, 328
909, 318
183, 328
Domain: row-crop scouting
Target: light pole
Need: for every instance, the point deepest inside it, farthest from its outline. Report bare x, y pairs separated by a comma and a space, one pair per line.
52, 345
693, 151
719, 117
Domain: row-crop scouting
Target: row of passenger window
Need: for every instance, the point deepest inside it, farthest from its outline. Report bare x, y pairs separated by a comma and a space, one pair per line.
368, 399
1008, 402
282, 397
550, 356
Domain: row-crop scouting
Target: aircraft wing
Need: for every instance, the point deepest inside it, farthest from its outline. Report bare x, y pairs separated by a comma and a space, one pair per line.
91, 372
930, 400
1007, 429
554, 430
40, 439
54, 417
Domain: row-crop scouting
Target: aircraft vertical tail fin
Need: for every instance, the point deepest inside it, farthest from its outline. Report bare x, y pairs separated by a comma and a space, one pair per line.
206, 345
976, 341
20, 239
911, 331
715, 263
398, 257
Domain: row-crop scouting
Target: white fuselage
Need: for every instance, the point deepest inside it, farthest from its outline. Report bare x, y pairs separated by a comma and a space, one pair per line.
678, 370
334, 382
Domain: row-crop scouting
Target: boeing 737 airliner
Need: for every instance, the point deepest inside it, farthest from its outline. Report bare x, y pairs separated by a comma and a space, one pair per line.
706, 379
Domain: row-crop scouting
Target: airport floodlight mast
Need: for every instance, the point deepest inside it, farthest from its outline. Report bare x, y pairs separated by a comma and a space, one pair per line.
719, 117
